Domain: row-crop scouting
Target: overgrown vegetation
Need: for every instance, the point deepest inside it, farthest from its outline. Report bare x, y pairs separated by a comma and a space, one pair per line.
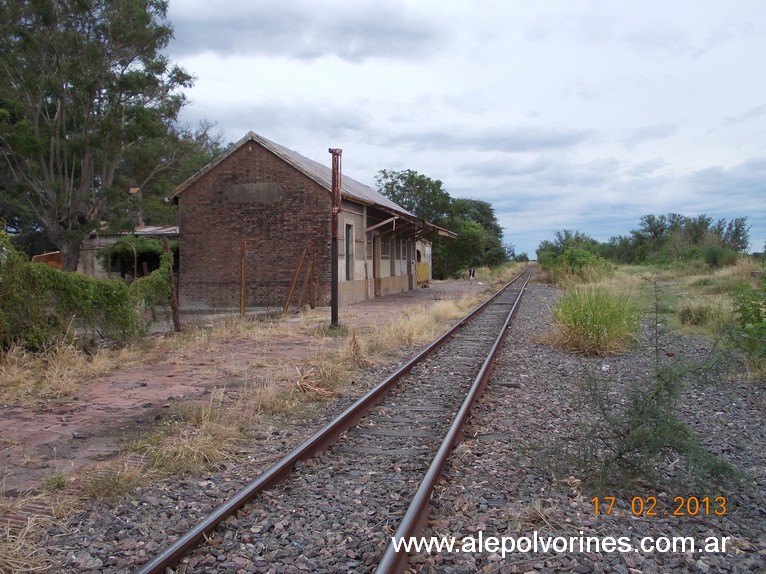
79, 126
196, 436
749, 332
479, 241
631, 429
660, 240
593, 321
110, 480
572, 258
41, 307
628, 435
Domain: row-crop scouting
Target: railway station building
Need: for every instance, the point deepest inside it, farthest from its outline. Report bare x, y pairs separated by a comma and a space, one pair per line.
255, 228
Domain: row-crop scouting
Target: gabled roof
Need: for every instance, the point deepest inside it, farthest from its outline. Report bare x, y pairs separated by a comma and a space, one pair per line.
350, 188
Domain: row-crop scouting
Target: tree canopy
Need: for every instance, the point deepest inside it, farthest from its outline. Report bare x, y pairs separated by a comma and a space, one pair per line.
88, 107
417, 193
480, 236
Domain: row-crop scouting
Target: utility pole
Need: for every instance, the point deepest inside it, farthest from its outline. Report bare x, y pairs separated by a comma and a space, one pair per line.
336, 202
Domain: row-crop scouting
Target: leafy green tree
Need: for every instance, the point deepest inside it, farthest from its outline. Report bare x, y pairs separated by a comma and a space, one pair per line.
549, 251
522, 257
675, 237
155, 168
481, 212
81, 84
450, 257
651, 234
481, 237
417, 193
736, 235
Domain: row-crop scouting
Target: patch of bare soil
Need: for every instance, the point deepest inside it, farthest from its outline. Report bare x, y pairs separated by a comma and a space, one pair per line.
92, 426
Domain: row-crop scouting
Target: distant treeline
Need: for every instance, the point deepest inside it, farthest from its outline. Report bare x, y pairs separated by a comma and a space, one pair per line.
660, 239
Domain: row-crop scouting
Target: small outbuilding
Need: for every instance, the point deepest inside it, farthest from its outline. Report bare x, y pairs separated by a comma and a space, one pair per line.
256, 225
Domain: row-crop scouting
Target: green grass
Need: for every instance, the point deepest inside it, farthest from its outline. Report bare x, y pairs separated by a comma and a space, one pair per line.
54, 482
594, 321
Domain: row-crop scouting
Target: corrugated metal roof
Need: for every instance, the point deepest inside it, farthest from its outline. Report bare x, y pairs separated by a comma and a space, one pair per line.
155, 230
322, 174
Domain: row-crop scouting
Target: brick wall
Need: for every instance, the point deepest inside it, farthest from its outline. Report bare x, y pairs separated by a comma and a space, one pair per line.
252, 194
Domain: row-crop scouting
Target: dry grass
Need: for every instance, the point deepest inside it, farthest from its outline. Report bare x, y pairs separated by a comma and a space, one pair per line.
413, 326
271, 399
27, 378
110, 480
20, 549
204, 435
621, 282
540, 515
198, 435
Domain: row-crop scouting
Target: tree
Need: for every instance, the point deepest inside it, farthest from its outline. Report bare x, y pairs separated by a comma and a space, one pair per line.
736, 236
482, 212
417, 193
455, 255
548, 251
81, 84
156, 167
480, 239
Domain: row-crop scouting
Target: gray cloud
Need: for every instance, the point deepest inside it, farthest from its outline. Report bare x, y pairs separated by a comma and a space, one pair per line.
505, 167
650, 132
516, 105
747, 178
752, 114
507, 140
646, 167
304, 30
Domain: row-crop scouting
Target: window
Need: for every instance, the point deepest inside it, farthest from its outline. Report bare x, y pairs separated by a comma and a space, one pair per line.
349, 252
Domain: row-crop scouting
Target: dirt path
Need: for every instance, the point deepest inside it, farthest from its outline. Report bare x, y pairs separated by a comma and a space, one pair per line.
81, 430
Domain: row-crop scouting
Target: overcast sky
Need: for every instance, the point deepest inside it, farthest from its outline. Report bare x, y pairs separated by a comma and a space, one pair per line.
563, 114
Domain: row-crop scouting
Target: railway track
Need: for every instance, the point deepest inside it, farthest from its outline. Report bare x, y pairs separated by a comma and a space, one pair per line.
364, 477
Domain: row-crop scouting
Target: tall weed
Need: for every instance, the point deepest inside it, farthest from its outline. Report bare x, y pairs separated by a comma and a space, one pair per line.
593, 321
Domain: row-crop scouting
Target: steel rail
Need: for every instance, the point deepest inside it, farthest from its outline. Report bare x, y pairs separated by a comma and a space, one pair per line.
317, 442
415, 518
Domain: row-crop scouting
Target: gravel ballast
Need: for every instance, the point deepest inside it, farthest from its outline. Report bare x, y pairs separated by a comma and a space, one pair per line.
506, 478
501, 481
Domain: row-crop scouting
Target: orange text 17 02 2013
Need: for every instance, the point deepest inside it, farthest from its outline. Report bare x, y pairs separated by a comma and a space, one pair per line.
649, 506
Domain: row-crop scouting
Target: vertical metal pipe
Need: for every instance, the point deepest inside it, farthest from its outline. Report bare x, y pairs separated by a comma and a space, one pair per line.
242, 255
336, 185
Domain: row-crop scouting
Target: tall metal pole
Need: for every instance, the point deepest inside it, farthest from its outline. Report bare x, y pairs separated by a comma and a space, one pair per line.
336, 153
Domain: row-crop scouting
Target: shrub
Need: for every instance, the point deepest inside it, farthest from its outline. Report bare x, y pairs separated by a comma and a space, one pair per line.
695, 314
629, 431
575, 265
627, 437
574, 260
717, 256
749, 332
593, 321
39, 304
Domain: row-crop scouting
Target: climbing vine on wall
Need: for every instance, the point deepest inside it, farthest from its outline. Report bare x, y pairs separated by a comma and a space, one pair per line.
39, 304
